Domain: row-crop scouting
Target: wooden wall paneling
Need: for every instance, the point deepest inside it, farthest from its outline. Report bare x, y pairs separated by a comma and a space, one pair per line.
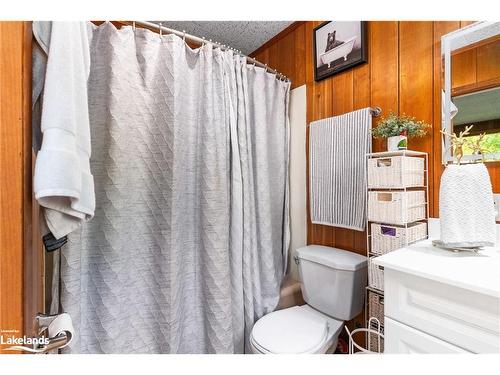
488, 61
466, 23
263, 56
310, 50
463, 68
273, 60
34, 266
285, 63
343, 92
277, 38
440, 28
361, 99
384, 71
309, 77
299, 74
309, 97
322, 106
343, 101
416, 82
361, 85
494, 170
11, 177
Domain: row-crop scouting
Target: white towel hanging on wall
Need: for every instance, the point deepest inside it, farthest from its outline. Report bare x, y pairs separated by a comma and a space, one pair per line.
63, 184
337, 173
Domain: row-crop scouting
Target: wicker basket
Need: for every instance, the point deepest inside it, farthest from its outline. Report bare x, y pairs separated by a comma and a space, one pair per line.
375, 275
386, 238
374, 342
376, 306
396, 207
396, 172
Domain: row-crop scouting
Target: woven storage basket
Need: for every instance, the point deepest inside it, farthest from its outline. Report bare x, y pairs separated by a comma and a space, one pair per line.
396, 207
374, 341
396, 172
375, 275
376, 306
386, 238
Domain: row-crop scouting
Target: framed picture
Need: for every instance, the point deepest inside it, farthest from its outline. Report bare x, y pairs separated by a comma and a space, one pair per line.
338, 45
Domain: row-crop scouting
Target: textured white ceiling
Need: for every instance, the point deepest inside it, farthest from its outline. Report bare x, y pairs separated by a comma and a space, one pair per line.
245, 36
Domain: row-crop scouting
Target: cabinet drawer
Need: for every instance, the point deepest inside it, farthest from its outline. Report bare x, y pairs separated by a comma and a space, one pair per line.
401, 339
464, 318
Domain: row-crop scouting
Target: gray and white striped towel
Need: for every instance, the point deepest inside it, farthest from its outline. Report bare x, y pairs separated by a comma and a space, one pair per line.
337, 177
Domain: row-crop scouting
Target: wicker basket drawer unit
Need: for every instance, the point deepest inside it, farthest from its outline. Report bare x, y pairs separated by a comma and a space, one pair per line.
396, 207
374, 341
376, 306
376, 310
386, 238
375, 275
396, 172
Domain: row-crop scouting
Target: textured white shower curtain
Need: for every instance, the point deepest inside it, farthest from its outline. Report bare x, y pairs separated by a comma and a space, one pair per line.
189, 240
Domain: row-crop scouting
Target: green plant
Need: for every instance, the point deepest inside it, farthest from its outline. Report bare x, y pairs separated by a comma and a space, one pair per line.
394, 125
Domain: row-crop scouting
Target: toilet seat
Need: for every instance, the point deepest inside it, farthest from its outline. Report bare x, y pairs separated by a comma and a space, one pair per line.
294, 330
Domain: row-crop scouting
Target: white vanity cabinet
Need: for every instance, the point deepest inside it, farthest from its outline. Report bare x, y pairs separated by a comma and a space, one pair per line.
438, 301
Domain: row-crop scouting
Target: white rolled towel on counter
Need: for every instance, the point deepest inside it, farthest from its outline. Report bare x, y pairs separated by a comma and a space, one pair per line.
466, 208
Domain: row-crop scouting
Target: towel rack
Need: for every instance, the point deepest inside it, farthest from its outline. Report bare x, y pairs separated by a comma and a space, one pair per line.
375, 111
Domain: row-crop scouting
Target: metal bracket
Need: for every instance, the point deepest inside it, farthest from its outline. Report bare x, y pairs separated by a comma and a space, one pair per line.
42, 322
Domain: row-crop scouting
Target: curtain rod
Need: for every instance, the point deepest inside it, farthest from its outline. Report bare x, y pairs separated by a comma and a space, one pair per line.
184, 35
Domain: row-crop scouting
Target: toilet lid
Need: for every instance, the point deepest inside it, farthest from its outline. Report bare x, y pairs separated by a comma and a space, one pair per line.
292, 330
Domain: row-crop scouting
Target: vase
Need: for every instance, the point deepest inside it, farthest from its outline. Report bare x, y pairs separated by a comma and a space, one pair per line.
398, 142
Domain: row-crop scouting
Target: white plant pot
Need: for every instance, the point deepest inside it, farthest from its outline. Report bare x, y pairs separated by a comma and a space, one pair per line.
398, 142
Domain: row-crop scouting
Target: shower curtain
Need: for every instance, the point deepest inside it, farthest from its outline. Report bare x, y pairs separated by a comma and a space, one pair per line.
190, 160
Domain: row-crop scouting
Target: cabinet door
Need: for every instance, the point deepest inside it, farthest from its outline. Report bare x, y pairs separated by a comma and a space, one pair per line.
462, 317
402, 339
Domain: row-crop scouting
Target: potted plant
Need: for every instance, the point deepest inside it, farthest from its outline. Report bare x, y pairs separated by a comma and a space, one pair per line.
397, 129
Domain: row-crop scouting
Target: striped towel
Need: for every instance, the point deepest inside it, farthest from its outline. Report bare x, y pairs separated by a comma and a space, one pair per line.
338, 146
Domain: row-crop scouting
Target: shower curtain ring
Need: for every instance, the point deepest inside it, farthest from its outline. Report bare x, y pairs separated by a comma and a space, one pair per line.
184, 35
161, 31
133, 26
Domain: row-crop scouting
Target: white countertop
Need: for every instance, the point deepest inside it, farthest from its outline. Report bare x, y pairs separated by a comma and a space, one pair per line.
477, 272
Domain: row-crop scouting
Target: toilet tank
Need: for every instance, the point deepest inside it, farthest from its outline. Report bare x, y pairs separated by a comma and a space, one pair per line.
332, 280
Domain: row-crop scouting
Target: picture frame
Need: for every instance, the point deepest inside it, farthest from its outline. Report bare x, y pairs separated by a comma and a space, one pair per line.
338, 46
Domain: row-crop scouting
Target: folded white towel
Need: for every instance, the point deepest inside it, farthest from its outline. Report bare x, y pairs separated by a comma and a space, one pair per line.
63, 183
466, 208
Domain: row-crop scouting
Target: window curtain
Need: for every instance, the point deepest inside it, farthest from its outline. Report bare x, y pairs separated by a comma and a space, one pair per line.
188, 245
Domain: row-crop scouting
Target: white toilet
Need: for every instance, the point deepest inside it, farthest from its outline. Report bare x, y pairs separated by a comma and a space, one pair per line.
332, 283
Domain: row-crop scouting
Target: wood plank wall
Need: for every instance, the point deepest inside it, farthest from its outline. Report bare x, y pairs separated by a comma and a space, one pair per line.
477, 68
403, 75
21, 252
13, 141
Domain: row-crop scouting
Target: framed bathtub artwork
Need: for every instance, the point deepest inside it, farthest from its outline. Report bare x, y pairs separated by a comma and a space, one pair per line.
338, 45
